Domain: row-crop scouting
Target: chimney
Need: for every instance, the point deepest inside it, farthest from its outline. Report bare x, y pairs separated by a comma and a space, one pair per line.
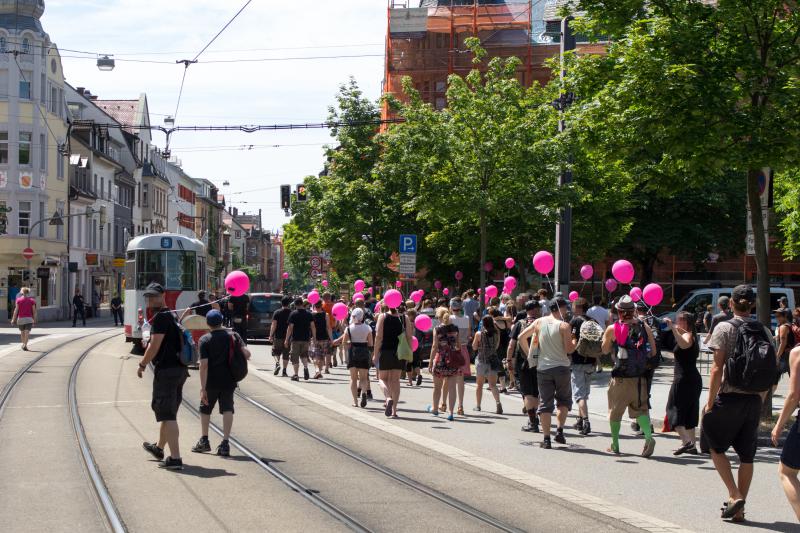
80, 90
235, 212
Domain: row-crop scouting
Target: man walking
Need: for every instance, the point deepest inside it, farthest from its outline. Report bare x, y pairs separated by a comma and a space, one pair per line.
238, 307
95, 303
582, 366
554, 338
78, 308
169, 375
298, 335
216, 382
116, 310
526, 376
277, 335
201, 307
734, 398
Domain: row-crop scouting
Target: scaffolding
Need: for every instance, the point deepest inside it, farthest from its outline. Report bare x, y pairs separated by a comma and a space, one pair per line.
427, 43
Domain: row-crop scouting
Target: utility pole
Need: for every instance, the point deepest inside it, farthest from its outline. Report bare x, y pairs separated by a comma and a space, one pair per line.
564, 226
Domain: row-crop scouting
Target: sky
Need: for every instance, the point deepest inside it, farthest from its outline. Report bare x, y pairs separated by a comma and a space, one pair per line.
265, 92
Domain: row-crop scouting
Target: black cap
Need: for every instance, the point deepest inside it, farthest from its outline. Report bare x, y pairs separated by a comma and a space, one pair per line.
743, 293
531, 305
154, 289
557, 303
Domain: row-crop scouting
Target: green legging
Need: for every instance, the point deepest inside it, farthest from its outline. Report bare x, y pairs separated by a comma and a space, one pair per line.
644, 424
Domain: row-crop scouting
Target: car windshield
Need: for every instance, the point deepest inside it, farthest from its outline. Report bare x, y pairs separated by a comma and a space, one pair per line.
264, 304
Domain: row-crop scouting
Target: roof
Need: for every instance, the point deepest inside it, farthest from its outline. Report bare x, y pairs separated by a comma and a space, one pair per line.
10, 21
552, 7
123, 111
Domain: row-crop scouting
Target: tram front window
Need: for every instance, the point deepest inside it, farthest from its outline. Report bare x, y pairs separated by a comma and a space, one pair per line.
175, 270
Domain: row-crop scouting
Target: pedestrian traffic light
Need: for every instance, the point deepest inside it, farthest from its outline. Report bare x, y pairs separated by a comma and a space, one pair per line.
286, 196
302, 192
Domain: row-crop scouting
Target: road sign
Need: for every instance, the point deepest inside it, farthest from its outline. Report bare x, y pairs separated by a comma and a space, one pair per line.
316, 262
27, 253
408, 244
408, 264
315, 273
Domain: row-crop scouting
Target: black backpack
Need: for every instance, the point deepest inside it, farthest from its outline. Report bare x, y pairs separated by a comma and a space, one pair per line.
237, 362
752, 367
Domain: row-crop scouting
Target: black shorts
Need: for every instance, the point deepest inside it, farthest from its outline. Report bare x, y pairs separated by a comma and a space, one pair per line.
733, 422
790, 456
224, 397
168, 392
390, 361
528, 381
359, 357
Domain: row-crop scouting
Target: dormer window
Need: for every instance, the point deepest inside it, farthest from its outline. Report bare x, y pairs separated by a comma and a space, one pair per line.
26, 46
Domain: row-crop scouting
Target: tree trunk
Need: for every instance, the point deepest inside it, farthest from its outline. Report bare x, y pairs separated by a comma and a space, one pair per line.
482, 214
762, 253
648, 265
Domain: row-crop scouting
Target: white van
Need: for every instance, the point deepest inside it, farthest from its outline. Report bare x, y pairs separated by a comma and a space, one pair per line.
700, 298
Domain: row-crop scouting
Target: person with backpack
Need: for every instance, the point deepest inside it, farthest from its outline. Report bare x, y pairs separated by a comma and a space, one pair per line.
169, 376
743, 370
631, 343
218, 348
588, 335
526, 376
683, 403
655, 324
298, 335
790, 455
413, 372
321, 343
487, 364
358, 342
277, 335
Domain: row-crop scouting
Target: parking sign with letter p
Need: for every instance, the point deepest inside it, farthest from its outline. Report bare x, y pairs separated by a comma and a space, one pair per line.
408, 244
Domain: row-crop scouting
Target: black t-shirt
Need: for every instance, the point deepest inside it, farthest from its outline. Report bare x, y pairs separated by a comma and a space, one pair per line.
392, 328
116, 302
281, 318
240, 305
201, 307
77, 301
321, 325
163, 323
216, 347
519, 327
301, 319
575, 325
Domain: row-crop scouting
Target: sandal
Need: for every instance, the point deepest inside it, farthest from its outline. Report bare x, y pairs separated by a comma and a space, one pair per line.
388, 410
731, 508
431, 411
460, 411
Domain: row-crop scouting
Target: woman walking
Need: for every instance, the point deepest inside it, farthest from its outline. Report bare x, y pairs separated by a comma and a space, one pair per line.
24, 315
683, 404
790, 457
445, 361
487, 364
321, 352
391, 325
357, 342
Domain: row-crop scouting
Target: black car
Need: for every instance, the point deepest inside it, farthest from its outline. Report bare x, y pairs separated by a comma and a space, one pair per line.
259, 316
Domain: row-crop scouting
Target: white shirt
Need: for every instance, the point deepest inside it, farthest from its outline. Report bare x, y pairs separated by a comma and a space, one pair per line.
599, 314
463, 327
359, 333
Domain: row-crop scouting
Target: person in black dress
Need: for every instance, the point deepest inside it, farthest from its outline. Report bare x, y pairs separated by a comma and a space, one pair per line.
683, 405
391, 324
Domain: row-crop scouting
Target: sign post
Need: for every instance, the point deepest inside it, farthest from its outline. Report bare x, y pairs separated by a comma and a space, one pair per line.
408, 255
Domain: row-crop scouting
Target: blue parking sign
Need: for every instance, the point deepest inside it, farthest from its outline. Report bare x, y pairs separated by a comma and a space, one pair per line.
408, 244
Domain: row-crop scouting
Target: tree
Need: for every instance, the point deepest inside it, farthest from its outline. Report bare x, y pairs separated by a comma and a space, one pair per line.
691, 90
787, 193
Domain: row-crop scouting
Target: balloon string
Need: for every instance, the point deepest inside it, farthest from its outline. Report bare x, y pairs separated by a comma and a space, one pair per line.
186, 309
552, 288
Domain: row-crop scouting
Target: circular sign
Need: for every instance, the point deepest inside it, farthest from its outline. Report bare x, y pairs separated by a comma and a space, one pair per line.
27, 253
316, 262
315, 273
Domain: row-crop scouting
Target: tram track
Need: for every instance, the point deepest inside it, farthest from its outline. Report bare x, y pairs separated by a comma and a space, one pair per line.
110, 513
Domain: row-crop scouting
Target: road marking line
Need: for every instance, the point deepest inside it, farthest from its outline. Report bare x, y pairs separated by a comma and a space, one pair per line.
633, 518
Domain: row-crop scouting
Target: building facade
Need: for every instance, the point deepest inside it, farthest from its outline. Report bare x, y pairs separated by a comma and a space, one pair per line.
33, 140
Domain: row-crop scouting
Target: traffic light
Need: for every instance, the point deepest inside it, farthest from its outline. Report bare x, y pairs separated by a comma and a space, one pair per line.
286, 196
302, 192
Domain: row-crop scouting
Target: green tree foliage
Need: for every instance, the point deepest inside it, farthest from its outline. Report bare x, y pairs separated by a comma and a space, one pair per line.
787, 204
690, 91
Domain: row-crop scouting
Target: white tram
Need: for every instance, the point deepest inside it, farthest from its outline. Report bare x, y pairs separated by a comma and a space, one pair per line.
177, 262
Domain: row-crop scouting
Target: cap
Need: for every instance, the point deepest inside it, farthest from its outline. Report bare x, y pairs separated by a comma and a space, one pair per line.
625, 303
783, 311
214, 318
357, 315
456, 304
530, 305
556, 303
154, 289
743, 293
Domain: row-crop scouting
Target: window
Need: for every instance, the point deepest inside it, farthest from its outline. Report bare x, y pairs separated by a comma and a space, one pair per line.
102, 187
60, 227
93, 240
3, 45
43, 225
25, 89
238, 234
26, 46
145, 189
43, 89
3, 147
42, 151
24, 215
94, 189
24, 151
59, 165
175, 270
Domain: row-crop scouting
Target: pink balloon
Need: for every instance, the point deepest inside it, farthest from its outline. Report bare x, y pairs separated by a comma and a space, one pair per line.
437, 284
313, 297
573, 296
285, 275
398, 284
423, 323
587, 272
611, 285
446, 292
488, 266
623, 271
510, 282
491, 291
359, 285
237, 283
414, 344
416, 296
358, 296
510, 263
636, 294
543, 262
653, 294
393, 298
325, 283
459, 275
339, 311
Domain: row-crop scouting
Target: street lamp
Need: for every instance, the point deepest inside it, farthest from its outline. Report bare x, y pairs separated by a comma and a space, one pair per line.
106, 63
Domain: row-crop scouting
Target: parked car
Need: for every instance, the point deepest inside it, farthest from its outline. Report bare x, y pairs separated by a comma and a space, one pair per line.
259, 317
